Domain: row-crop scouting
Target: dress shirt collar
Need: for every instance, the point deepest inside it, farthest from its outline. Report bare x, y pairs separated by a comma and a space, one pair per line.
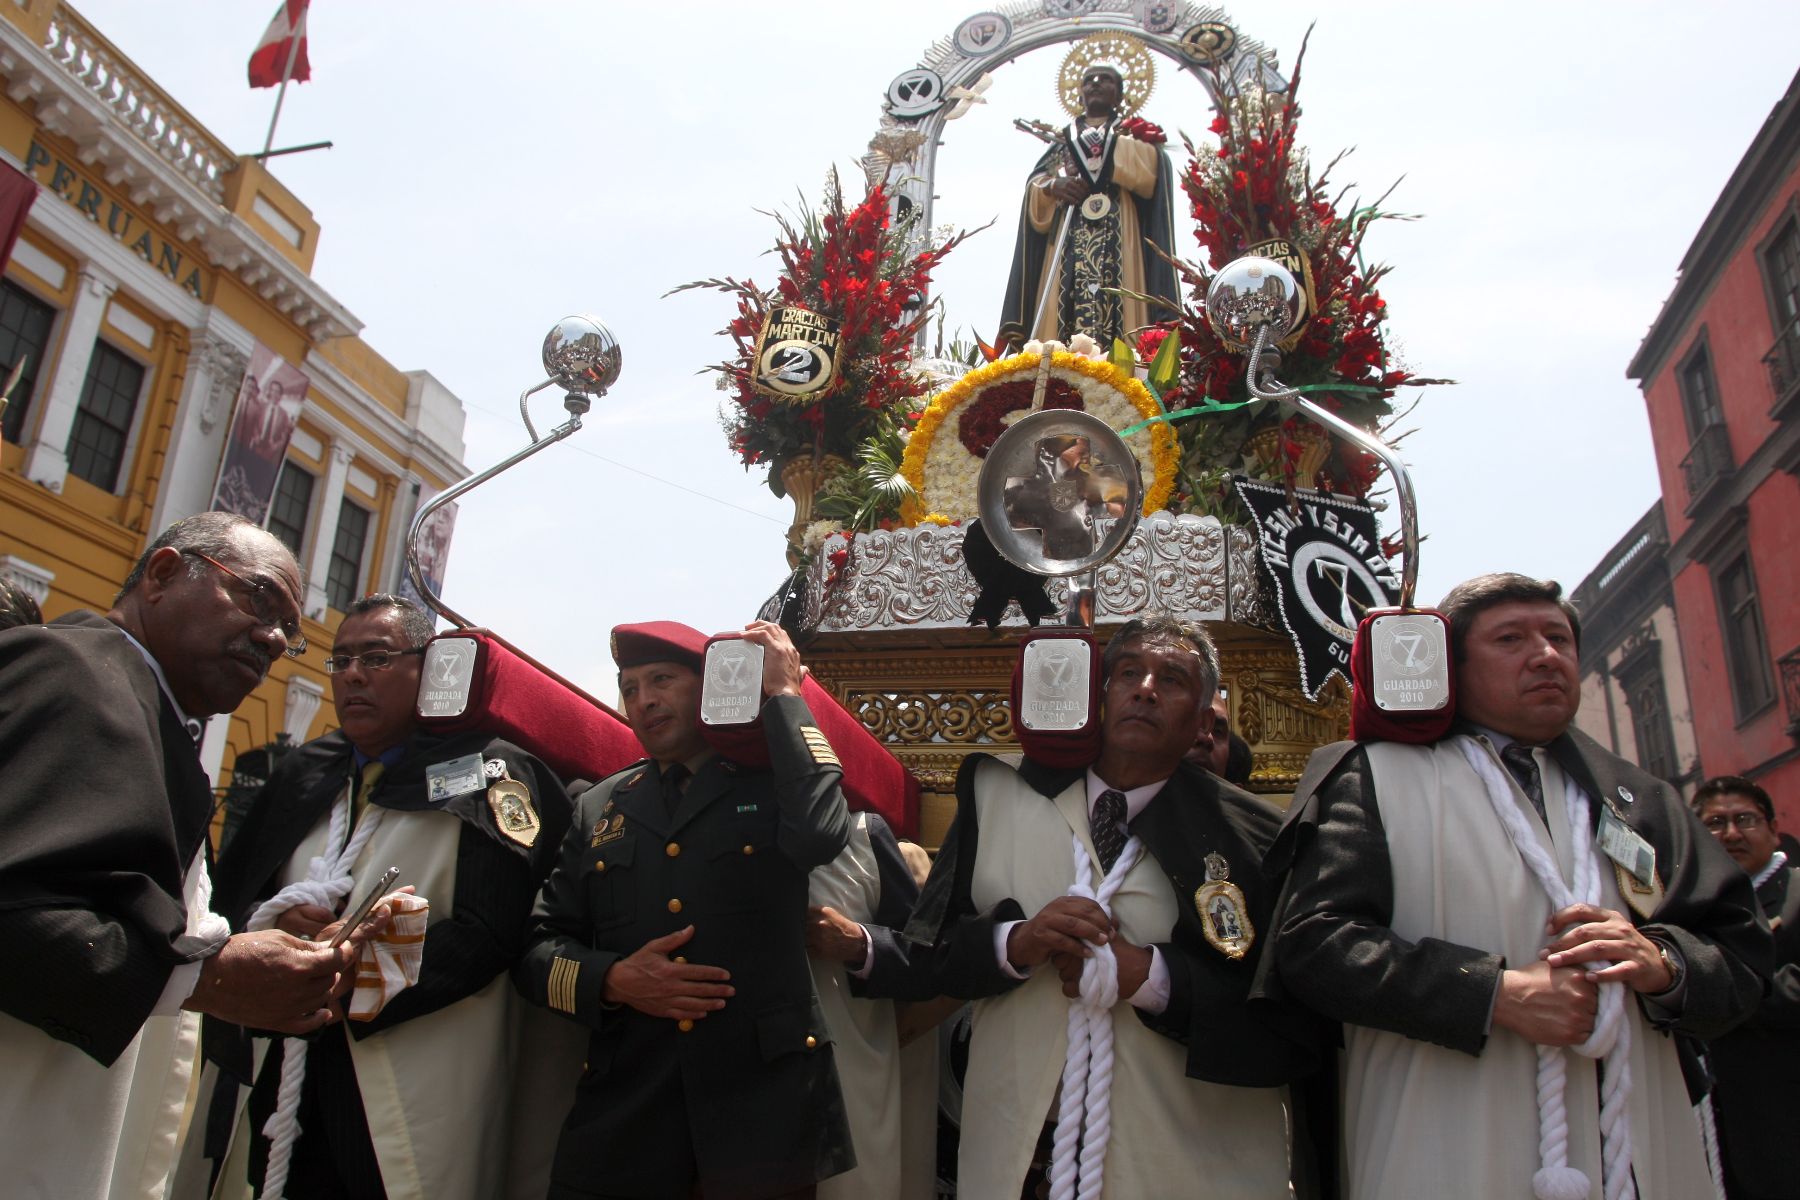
1135, 799
388, 758
1776, 861
193, 726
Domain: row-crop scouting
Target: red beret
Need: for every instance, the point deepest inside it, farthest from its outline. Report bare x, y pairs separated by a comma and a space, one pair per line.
657, 641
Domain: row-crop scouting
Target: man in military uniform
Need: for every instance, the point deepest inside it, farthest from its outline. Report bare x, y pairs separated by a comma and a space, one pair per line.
674, 927
401, 1103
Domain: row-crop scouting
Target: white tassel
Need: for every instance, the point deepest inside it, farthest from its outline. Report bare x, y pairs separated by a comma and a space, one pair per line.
328, 881
1611, 1038
1084, 1120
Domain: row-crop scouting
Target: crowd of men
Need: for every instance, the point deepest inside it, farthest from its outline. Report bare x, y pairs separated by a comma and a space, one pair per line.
1504, 963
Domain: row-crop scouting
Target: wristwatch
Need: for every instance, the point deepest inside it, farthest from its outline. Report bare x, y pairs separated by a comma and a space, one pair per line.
1671, 963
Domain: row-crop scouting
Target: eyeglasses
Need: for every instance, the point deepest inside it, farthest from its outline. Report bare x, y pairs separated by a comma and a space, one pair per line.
372, 660
1745, 822
263, 606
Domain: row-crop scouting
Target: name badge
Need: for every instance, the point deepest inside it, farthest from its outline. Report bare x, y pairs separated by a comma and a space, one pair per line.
455, 777
1623, 844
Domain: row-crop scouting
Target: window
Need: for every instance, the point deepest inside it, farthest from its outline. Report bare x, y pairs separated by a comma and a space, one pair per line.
1650, 728
1781, 266
1746, 649
291, 507
344, 578
24, 332
103, 419
1699, 393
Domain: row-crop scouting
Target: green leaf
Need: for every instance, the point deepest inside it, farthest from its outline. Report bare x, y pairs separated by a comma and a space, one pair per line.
1165, 368
1122, 356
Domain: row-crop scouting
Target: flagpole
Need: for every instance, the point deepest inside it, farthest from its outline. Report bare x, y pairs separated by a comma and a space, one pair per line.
295, 33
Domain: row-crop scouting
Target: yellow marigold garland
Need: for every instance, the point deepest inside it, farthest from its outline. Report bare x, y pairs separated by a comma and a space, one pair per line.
1164, 455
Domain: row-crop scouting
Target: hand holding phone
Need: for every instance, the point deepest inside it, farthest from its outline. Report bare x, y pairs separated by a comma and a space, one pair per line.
368, 904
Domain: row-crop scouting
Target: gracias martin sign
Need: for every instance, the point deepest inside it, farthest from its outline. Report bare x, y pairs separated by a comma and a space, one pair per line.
129, 228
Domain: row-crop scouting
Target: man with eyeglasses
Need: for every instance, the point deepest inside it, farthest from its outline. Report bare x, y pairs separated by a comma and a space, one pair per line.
1756, 1066
1508, 921
417, 1098
110, 946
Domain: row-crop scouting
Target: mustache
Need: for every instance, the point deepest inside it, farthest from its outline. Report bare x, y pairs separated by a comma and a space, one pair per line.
246, 649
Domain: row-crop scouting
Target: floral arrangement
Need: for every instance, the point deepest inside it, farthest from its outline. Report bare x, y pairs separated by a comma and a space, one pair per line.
853, 265
1257, 186
953, 435
1143, 131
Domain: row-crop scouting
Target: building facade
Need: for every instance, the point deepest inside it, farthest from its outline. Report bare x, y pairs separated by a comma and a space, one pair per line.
1634, 698
1720, 374
154, 260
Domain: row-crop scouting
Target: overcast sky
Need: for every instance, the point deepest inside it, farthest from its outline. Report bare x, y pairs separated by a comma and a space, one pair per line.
499, 165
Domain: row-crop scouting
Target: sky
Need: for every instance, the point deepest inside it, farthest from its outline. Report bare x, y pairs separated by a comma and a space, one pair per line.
498, 166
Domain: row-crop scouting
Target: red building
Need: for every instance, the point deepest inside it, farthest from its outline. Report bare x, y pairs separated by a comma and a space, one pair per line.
1720, 373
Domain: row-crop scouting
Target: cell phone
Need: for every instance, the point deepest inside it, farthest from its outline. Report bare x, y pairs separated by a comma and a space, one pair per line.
368, 904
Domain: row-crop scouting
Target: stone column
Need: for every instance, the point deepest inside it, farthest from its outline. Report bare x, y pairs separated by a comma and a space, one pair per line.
215, 368
330, 502
47, 460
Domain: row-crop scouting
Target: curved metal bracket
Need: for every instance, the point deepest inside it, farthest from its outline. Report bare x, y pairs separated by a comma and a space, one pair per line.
1264, 386
577, 405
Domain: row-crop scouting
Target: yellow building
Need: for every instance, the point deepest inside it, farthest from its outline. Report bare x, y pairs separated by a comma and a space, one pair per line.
153, 260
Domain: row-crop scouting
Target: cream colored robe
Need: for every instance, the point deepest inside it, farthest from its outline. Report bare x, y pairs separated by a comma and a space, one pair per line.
457, 1108
871, 1067
1134, 170
1423, 1120
1171, 1135
71, 1129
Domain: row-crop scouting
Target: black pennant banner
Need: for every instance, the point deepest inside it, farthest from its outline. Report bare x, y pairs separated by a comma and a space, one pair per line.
1324, 553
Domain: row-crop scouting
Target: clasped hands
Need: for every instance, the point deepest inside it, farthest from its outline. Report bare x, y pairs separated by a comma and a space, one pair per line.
1065, 933
1554, 1001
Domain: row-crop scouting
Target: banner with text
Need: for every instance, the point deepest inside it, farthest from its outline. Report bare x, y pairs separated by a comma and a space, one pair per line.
1324, 554
268, 405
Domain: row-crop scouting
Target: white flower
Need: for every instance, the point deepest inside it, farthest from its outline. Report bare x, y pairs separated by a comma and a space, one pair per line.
1085, 346
814, 535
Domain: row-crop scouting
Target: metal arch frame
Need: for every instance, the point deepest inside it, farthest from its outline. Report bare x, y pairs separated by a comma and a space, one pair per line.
577, 405
1032, 29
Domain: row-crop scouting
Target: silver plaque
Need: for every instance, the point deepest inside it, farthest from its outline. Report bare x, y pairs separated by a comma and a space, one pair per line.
731, 684
1409, 662
448, 676
1053, 685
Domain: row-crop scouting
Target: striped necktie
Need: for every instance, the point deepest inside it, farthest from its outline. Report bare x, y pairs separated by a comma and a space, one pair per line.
1108, 824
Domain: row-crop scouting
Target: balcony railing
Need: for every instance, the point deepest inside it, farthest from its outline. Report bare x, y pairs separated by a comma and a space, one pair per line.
1789, 667
1783, 361
149, 112
1707, 465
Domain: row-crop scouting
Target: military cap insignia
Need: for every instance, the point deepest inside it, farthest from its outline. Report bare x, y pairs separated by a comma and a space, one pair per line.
818, 747
1224, 913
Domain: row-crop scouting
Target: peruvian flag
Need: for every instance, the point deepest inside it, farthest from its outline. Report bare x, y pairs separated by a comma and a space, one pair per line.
270, 59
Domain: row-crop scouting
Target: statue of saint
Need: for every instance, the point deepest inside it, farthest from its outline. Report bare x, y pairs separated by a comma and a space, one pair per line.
1094, 197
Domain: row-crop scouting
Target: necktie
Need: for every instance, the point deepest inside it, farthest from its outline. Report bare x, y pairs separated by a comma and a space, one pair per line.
371, 775
1109, 828
1524, 768
674, 782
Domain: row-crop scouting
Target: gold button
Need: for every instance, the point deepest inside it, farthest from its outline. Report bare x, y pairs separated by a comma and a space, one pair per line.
672, 849
749, 849
674, 906
600, 866
680, 958
684, 1024
811, 1041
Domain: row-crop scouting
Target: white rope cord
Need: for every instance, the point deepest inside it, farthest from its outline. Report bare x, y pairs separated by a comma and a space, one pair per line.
1611, 1038
328, 881
1709, 1139
1084, 1121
